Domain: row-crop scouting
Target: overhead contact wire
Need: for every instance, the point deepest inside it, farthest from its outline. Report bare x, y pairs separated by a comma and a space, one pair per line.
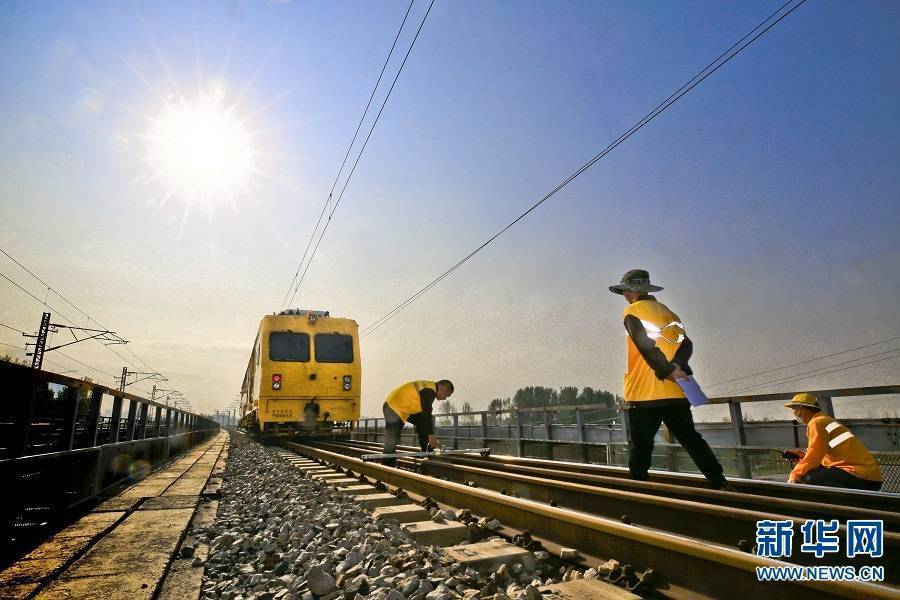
804, 362
365, 143
66, 317
821, 371
347, 155
722, 60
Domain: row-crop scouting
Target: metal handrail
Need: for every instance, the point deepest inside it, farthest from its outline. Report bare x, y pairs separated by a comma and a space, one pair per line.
143, 419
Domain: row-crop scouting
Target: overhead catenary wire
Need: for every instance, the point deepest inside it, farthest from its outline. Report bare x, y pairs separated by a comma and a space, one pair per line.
803, 362
46, 285
84, 364
347, 155
70, 303
13, 328
65, 317
26, 350
362, 149
821, 371
767, 24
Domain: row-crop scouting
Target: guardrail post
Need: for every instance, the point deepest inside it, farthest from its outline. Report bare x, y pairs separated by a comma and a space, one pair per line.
484, 430
70, 417
455, 431
520, 445
609, 436
24, 393
626, 423
115, 420
168, 422
740, 438
158, 419
129, 424
145, 414
94, 415
827, 406
582, 433
548, 432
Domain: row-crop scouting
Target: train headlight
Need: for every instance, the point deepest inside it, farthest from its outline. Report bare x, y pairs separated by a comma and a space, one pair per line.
276, 381
348, 382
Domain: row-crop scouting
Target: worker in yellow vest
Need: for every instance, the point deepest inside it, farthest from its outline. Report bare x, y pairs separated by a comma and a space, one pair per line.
834, 457
658, 354
413, 402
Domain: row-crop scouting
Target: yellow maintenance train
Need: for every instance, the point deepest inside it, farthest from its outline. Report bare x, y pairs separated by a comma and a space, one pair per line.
304, 374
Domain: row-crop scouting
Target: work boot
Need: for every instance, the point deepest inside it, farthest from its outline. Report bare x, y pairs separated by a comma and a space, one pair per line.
721, 484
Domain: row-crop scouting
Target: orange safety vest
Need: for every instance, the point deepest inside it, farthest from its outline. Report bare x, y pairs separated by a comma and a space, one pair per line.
663, 327
831, 444
405, 399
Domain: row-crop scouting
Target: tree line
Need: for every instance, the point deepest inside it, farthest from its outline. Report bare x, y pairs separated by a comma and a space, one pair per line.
540, 396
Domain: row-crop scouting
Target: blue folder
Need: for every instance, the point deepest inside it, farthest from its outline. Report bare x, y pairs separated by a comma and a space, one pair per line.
692, 390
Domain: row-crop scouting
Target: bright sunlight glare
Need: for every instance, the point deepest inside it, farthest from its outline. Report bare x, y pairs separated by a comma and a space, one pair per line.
200, 151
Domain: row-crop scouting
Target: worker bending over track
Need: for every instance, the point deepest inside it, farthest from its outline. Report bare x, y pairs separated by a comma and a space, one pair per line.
413, 402
658, 354
835, 457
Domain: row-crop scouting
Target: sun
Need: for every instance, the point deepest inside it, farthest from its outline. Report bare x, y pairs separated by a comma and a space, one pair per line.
200, 151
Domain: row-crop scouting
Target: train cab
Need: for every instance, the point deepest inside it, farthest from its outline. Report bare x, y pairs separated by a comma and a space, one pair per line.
304, 374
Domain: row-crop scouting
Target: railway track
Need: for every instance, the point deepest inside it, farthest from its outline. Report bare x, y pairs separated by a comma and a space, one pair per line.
751, 493
697, 541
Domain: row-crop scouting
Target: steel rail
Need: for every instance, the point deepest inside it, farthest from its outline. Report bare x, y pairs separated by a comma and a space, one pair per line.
689, 487
682, 563
736, 500
731, 527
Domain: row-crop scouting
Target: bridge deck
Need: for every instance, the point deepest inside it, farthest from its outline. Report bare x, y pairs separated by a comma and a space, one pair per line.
125, 546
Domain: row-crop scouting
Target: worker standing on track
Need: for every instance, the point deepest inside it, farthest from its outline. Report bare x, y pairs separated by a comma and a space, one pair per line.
834, 457
413, 402
658, 354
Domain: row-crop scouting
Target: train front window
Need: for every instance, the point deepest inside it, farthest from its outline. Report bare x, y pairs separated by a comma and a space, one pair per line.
288, 346
334, 348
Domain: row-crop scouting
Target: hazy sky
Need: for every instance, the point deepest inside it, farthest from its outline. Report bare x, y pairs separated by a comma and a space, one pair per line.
766, 201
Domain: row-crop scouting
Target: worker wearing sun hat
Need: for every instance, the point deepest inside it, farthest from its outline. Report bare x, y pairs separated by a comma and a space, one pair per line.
834, 457
657, 354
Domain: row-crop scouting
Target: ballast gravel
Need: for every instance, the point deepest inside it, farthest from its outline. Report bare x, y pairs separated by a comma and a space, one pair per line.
279, 535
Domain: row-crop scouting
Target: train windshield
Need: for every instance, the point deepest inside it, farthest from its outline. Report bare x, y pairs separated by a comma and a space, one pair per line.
288, 346
334, 348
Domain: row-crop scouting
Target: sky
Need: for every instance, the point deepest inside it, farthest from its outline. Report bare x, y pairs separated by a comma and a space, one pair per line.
765, 201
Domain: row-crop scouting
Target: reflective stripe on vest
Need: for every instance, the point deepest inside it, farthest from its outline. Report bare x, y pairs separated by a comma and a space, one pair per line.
667, 332
654, 332
840, 438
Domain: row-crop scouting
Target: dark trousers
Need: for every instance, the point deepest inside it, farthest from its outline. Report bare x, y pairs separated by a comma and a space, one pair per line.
834, 477
393, 428
645, 422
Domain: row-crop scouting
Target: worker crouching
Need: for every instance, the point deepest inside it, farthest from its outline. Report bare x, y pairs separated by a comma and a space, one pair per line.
413, 402
834, 457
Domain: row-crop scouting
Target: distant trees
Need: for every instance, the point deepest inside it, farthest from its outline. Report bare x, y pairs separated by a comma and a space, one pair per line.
539, 396
13, 359
446, 407
467, 411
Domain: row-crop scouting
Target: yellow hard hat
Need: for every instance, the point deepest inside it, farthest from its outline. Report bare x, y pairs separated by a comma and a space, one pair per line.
803, 400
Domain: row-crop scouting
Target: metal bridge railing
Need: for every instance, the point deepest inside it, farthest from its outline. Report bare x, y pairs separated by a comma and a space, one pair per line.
45, 412
592, 434
57, 450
